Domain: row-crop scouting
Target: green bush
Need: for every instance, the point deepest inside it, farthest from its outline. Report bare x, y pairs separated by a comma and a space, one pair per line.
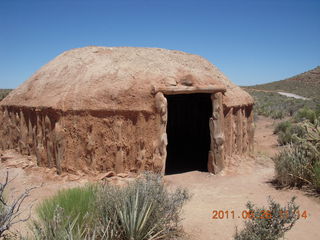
268, 223
284, 138
293, 166
282, 127
68, 205
299, 163
4, 93
289, 133
143, 209
318, 111
277, 115
298, 130
316, 176
305, 114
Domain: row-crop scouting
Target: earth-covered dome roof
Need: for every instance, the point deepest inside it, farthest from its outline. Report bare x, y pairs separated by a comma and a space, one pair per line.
118, 78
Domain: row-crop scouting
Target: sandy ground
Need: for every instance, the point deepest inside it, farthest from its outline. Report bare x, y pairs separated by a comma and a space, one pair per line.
231, 190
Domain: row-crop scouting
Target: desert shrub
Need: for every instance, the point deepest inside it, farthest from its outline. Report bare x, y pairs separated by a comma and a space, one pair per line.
66, 213
318, 111
289, 133
299, 163
268, 223
142, 209
293, 167
277, 115
282, 127
4, 93
316, 176
298, 130
284, 138
305, 114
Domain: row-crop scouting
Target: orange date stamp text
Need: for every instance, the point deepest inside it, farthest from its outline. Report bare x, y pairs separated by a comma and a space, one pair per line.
264, 214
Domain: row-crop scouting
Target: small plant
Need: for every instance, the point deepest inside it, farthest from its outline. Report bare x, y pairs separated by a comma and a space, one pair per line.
293, 167
4, 93
305, 114
316, 177
282, 127
289, 133
318, 110
268, 223
67, 206
299, 163
277, 115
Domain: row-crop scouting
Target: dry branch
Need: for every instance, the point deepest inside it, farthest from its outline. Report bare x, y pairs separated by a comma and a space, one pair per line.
10, 213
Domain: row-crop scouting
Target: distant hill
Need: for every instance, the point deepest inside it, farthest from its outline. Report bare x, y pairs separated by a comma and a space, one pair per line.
306, 84
4, 93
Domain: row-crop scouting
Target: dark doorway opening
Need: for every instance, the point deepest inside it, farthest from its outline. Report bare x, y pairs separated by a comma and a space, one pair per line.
188, 132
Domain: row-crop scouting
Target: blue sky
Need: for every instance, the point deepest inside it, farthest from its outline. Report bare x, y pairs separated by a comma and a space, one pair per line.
251, 41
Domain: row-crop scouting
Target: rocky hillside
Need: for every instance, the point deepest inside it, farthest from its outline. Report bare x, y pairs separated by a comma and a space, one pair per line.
306, 84
4, 93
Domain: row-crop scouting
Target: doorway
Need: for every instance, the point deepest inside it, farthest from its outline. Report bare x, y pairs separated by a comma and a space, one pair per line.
188, 132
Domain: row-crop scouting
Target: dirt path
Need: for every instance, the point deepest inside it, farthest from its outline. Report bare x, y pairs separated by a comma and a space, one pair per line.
230, 191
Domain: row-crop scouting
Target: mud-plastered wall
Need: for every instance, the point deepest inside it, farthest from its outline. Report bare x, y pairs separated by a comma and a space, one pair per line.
32, 132
238, 131
88, 141
121, 142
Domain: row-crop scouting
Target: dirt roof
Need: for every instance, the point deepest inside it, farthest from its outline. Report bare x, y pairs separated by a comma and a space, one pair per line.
112, 78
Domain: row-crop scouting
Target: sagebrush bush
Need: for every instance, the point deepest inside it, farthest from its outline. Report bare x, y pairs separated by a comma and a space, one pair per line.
284, 138
289, 133
282, 127
305, 114
269, 223
318, 111
299, 163
316, 176
142, 209
293, 167
277, 114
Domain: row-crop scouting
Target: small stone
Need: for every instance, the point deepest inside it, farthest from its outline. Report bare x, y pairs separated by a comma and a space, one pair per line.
106, 175
122, 175
73, 177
